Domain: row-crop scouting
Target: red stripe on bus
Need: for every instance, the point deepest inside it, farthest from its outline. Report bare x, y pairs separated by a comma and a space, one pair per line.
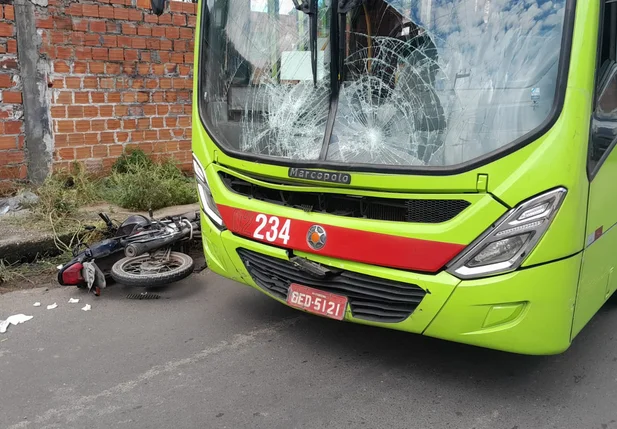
342, 243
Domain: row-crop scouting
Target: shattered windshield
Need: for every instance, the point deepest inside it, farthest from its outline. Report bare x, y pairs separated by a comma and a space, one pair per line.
393, 82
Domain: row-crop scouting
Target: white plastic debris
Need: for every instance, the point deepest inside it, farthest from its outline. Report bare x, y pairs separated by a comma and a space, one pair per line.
52, 306
87, 307
13, 320
73, 301
37, 304
21, 201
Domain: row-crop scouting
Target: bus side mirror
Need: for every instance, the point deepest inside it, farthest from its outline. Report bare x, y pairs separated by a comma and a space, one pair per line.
158, 6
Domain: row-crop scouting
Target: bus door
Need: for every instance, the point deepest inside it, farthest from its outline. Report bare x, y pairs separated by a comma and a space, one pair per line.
598, 280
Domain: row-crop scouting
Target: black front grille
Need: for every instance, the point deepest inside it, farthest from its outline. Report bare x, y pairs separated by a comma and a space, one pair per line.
390, 209
370, 298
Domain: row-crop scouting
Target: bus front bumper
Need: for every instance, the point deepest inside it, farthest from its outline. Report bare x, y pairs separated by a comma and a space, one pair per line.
529, 311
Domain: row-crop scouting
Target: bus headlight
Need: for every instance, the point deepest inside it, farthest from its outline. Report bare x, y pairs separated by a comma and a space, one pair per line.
506, 244
205, 195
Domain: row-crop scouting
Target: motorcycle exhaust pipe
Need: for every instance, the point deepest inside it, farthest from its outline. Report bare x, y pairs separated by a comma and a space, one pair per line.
136, 249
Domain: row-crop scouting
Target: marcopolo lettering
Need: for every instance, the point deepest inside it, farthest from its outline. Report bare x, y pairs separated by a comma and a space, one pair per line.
321, 176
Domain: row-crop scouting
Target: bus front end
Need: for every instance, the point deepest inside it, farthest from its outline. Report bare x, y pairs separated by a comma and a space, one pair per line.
416, 165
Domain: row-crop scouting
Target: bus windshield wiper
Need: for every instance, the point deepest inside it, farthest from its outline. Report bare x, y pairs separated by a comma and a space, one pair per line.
309, 7
344, 7
338, 35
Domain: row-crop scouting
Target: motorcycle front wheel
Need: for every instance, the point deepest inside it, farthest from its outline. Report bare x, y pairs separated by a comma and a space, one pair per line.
153, 270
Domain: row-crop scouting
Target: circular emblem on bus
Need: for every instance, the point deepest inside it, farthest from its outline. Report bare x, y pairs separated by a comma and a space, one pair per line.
316, 237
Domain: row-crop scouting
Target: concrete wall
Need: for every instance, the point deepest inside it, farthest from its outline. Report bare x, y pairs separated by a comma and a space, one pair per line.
110, 76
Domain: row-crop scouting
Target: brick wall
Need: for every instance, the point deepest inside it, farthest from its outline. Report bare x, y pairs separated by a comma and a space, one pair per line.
12, 162
119, 77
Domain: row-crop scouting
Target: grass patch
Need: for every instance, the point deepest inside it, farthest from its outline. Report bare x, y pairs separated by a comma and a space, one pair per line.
63, 193
138, 183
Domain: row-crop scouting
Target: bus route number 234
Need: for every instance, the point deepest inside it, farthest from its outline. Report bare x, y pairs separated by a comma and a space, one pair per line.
272, 229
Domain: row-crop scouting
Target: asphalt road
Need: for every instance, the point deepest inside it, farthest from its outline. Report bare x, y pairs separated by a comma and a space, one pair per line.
214, 354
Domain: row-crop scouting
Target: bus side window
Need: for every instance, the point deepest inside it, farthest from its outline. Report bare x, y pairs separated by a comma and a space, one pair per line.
604, 121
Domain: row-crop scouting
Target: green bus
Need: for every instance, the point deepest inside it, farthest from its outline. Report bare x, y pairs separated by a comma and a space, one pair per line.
440, 167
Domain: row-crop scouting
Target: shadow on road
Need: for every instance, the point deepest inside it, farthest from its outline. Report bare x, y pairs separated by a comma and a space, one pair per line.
180, 290
410, 357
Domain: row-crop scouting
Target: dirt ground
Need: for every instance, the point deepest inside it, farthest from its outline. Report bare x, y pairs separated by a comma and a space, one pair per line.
28, 276
43, 280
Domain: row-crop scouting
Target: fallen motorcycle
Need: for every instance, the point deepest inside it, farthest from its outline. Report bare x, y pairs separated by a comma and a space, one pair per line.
155, 253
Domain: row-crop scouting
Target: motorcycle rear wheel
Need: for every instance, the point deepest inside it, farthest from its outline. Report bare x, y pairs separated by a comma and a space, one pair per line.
152, 270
